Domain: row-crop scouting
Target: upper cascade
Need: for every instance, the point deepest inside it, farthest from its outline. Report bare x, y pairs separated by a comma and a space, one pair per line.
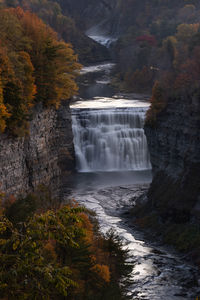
103, 40
110, 139
100, 36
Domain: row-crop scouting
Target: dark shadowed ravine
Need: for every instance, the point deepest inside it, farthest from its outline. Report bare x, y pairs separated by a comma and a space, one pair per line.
113, 169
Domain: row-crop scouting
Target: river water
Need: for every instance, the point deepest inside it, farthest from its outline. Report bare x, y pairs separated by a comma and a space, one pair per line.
113, 169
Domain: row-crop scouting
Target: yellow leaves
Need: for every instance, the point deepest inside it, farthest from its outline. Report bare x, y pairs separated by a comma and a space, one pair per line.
3, 227
3, 242
4, 224
34, 245
88, 227
186, 31
48, 257
16, 244
34, 65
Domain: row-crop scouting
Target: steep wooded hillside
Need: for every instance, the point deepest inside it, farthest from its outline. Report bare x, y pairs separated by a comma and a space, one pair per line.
61, 19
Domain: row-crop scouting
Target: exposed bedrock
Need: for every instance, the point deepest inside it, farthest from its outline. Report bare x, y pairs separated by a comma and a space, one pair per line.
44, 157
174, 145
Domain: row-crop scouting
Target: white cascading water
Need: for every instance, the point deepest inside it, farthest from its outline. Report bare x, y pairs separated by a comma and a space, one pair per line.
110, 139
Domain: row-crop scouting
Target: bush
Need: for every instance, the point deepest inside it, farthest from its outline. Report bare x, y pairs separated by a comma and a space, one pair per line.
58, 254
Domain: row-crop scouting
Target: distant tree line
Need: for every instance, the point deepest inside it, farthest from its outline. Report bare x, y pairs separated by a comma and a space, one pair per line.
159, 48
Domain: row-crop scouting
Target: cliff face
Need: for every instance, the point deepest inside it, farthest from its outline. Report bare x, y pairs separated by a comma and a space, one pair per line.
174, 146
100, 15
44, 157
88, 13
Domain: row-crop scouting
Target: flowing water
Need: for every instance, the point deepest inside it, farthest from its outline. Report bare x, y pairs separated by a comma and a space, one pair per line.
113, 170
110, 140
97, 34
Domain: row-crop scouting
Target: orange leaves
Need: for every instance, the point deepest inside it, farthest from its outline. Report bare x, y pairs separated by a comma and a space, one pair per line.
54, 61
27, 79
158, 103
35, 66
88, 228
4, 115
49, 250
183, 80
102, 271
139, 80
188, 75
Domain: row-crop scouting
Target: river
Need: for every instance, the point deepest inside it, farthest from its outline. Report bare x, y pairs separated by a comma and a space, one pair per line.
113, 169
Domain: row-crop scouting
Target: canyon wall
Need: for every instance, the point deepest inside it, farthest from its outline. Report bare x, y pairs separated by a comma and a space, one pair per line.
174, 145
44, 157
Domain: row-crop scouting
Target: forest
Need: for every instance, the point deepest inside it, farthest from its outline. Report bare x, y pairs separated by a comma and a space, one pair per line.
54, 251
161, 43
35, 67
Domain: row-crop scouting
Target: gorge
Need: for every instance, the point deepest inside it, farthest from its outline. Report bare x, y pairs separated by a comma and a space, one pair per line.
109, 183
42, 158
134, 163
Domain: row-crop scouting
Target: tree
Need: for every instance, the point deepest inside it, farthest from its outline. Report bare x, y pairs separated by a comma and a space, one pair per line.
35, 67
55, 63
186, 31
56, 254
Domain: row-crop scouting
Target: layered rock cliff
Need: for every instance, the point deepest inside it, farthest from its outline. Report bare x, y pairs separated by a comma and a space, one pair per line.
174, 145
44, 157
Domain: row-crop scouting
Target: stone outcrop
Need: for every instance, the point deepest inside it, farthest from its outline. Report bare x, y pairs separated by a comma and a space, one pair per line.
174, 145
88, 14
44, 157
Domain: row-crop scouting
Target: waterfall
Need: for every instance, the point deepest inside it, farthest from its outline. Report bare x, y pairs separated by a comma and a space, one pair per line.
110, 139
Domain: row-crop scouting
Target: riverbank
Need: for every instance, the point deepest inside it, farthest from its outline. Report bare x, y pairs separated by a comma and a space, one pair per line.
159, 271
183, 236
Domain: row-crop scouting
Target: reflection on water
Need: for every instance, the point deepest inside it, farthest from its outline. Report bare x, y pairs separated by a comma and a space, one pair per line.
157, 273
96, 89
95, 81
94, 180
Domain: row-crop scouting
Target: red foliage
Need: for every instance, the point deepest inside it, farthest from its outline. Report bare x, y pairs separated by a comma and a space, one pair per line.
151, 40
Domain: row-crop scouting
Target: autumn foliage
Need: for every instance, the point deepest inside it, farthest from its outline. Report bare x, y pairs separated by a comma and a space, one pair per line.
151, 40
159, 42
57, 254
34, 67
158, 103
180, 79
